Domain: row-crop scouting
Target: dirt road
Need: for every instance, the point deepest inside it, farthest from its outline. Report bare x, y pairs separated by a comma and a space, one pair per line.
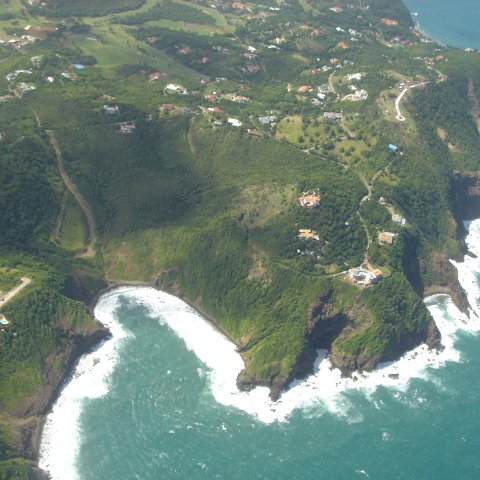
92, 228
14, 291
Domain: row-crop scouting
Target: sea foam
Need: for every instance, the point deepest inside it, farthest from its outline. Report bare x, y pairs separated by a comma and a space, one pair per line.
322, 391
89, 379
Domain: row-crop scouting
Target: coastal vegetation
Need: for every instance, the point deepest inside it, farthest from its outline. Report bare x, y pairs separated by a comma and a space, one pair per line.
191, 133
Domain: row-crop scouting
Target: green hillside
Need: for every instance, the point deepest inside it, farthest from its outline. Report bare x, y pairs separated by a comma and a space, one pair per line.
176, 142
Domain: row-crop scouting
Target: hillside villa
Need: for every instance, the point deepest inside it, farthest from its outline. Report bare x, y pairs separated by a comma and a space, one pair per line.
309, 199
333, 115
307, 234
362, 276
386, 237
176, 88
397, 218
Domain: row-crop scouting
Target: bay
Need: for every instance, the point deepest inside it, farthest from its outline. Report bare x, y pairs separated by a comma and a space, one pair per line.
159, 402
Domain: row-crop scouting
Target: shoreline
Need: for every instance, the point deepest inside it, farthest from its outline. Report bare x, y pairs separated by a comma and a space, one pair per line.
90, 343
93, 342
324, 386
134, 283
433, 37
104, 334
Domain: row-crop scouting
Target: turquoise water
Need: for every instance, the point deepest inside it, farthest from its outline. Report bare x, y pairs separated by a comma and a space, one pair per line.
452, 23
159, 401
159, 420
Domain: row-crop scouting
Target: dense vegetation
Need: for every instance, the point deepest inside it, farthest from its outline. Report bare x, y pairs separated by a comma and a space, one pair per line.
27, 196
200, 188
399, 316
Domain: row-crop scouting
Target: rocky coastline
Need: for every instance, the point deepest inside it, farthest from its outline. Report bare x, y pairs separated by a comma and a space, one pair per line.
324, 325
32, 419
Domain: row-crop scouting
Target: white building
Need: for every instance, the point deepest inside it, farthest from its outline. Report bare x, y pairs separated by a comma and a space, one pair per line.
234, 122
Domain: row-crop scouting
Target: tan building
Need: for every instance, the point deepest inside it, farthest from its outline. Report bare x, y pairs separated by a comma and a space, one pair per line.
386, 237
305, 234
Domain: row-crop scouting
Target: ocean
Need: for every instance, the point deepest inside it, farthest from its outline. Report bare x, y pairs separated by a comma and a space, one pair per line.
450, 23
159, 401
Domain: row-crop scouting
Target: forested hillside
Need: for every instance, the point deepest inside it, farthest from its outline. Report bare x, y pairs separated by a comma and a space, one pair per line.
290, 169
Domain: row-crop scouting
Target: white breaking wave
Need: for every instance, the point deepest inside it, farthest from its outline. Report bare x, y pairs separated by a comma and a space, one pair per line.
61, 433
322, 391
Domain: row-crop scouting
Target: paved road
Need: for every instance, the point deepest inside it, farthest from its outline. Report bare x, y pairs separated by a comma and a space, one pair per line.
399, 116
92, 228
14, 291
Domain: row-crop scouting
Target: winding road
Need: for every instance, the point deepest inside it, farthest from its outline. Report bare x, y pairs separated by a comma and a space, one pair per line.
399, 116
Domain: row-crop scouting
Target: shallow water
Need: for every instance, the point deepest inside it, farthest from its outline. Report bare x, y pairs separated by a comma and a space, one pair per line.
160, 401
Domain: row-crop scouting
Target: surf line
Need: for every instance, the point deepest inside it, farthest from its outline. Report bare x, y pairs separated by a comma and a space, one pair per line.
322, 390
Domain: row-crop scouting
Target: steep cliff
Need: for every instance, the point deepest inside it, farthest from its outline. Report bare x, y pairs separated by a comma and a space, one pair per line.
376, 324
467, 194
443, 278
48, 333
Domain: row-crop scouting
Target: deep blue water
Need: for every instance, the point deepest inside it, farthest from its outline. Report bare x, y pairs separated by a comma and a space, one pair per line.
455, 23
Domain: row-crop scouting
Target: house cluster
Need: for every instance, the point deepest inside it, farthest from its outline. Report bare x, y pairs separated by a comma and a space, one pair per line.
126, 127
310, 199
19, 42
365, 276
308, 234
110, 109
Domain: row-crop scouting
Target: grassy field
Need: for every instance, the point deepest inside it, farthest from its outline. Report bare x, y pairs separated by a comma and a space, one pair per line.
9, 278
10, 6
73, 230
220, 22
326, 138
112, 46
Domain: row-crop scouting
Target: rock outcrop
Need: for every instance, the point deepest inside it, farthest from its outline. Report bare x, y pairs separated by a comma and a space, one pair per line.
467, 195
327, 324
444, 279
30, 414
